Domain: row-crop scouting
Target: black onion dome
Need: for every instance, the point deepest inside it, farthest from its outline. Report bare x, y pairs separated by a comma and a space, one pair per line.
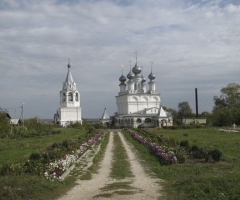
130, 75
122, 79
143, 79
151, 76
136, 69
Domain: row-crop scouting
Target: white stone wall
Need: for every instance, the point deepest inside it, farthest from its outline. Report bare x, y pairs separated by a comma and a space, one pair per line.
69, 114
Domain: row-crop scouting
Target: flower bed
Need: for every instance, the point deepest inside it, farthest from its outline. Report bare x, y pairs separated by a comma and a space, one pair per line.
163, 153
57, 168
55, 160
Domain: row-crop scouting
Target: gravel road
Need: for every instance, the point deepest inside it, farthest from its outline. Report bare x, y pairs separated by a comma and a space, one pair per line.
102, 186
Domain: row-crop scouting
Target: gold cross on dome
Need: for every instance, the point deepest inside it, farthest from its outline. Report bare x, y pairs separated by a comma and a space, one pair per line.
136, 52
130, 61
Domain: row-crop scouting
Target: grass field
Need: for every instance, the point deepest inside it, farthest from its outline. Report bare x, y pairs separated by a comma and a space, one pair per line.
30, 186
18, 150
199, 180
190, 180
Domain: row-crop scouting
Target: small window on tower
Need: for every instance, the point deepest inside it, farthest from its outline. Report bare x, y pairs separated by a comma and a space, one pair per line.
76, 98
70, 96
64, 97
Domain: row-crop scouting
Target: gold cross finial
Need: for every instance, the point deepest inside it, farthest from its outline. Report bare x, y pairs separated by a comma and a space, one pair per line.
122, 65
136, 52
130, 62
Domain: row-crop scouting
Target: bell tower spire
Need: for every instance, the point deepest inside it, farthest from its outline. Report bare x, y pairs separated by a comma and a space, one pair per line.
70, 109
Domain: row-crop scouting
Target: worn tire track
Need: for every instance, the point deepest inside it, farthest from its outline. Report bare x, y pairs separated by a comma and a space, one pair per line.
141, 186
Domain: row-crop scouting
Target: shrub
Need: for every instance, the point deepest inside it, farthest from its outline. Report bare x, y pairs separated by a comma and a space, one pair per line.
215, 154
194, 148
35, 156
200, 153
184, 143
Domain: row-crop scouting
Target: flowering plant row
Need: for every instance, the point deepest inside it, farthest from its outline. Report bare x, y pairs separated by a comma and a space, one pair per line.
163, 153
55, 159
58, 167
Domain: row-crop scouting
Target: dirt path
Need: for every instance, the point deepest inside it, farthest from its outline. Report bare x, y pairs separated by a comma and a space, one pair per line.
102, 186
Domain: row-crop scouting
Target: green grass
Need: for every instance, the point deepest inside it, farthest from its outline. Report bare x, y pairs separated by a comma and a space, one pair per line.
120, 165
199, 180
19, 150
211, 138
30, 186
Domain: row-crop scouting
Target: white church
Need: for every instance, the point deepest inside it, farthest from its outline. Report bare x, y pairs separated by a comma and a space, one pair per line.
70, 110
138, 106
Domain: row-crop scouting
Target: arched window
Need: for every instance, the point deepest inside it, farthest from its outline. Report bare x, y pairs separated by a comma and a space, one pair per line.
148, 120
139, 120
64, 97
70, 96
76, 97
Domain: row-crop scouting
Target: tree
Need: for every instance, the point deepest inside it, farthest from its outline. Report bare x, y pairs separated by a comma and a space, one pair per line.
207, 115
227, 105
4, 124
184, 109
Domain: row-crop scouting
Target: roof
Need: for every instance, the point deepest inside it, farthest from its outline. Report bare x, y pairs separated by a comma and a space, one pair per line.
162, 113
105, 114
69, 78
69, 83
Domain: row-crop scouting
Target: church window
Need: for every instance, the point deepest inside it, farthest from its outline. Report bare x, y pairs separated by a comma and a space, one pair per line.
64, 97
76, 98
139, 120
70, 96
131, 121
148, 120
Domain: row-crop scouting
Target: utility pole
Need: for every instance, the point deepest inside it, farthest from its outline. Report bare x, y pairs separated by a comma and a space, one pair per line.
22, 114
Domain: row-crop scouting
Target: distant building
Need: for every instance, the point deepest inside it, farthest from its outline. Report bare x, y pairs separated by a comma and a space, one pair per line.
137, 106
70, 110
194, 121
105, 119
15, 122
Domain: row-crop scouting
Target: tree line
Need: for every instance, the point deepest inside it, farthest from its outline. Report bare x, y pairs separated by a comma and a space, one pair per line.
226, 110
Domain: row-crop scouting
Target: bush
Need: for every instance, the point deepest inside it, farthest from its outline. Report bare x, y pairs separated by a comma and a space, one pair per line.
215, 154
35, 156
200, 154
185, 144
194, 148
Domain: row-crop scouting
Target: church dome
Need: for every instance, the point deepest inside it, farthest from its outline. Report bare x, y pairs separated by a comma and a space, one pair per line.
122, 79
151, 76
136, 69
130, 75
143, 79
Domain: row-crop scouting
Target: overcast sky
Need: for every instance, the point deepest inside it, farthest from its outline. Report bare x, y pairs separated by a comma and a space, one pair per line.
193, 44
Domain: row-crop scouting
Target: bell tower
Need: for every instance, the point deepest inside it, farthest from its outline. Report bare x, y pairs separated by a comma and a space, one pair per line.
70, 110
